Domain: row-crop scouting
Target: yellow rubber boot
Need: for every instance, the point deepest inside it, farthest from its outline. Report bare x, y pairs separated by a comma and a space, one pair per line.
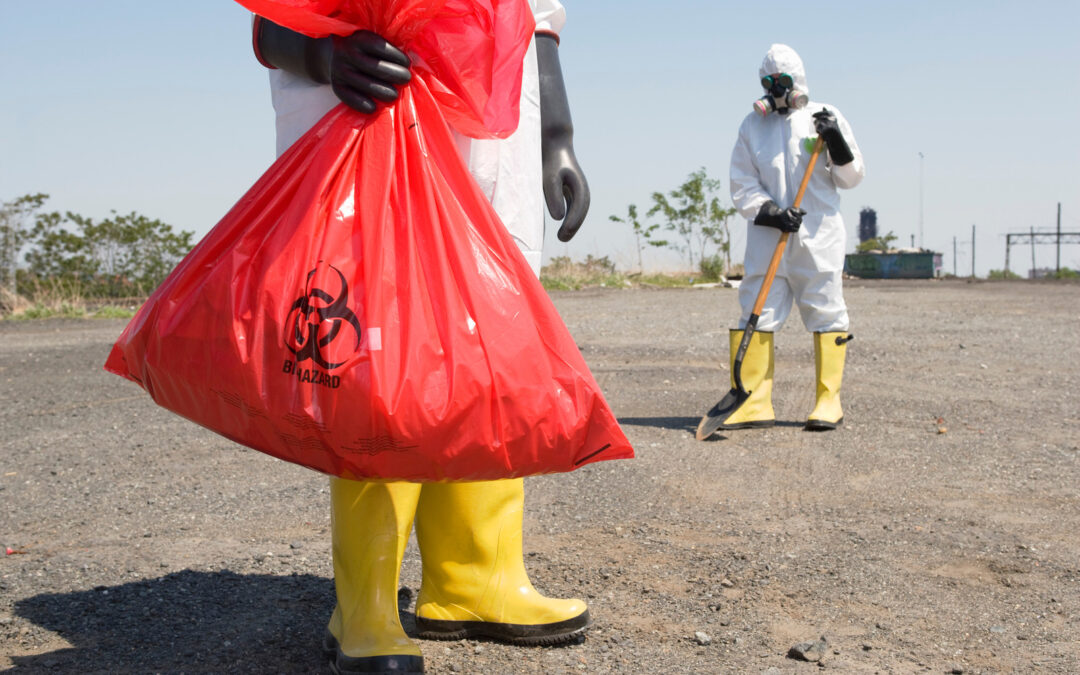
829, 352
757, 378
475, 583
370, 522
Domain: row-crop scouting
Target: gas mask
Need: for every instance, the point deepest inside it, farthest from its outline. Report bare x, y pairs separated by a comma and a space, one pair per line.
781, 95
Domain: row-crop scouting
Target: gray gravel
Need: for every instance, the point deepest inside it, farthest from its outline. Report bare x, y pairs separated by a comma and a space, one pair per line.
936, 530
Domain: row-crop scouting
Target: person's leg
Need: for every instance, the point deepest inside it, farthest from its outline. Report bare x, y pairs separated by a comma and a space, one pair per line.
474, 579
830, 349
757, 378
757, 365
370, 522
816, 273
761, 243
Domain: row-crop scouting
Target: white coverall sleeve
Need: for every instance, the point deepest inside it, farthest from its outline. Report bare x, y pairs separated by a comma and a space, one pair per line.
852, 173
549, 15
747, 192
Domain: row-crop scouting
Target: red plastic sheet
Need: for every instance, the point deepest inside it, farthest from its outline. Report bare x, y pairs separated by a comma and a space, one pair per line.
361, 310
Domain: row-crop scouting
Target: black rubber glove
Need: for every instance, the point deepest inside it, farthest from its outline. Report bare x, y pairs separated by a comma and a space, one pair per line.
827, 128
565, 189
362, 68
785, 220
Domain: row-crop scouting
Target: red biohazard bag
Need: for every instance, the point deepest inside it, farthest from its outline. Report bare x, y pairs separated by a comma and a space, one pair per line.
361, 310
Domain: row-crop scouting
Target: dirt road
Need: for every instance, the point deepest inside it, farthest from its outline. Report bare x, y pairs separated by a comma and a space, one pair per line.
936, 530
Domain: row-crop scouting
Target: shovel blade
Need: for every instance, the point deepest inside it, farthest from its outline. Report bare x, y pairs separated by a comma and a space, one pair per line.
714, 419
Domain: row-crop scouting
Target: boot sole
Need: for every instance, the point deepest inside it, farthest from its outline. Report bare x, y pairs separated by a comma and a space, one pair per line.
546, 634
341, 664
755, 424
822, 425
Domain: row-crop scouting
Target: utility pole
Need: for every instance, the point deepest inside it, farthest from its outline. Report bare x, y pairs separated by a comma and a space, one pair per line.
1032, 252
921, 203
1058, 268
954, 256
1008, 245
972, 251
912, 241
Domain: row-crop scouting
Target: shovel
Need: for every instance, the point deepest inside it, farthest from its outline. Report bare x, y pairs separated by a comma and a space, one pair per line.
738, 395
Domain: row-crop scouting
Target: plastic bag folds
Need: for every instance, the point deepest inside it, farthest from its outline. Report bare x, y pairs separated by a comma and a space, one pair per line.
361, 310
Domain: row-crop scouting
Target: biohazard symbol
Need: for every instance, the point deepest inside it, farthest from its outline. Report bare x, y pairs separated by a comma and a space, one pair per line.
321, 327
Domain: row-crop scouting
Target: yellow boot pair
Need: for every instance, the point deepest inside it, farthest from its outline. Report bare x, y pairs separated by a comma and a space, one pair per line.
757, 377
474, 579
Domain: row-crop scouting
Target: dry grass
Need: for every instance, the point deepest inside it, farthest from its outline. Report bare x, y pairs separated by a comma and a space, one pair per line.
62, 301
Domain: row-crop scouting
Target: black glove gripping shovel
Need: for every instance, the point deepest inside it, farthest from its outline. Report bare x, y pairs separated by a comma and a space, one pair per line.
738, 395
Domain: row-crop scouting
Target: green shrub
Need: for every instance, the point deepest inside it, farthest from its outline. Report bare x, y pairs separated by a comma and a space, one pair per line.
711, 268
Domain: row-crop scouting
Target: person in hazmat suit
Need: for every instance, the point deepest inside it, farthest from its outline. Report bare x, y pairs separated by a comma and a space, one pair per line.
470, 534
767, 166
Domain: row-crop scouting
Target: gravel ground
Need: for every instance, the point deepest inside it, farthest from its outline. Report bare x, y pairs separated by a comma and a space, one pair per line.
936, 530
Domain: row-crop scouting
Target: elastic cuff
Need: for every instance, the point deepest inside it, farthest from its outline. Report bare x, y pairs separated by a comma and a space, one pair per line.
549, 33
256, 25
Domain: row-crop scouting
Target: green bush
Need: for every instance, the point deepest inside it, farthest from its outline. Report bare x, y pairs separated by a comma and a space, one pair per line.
1003, 274
882, 243
711, 268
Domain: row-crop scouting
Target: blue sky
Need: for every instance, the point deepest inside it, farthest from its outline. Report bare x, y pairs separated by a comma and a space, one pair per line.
160, 108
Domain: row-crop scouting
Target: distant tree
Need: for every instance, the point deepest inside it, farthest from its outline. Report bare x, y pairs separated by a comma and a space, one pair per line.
882, 243
123, 254
694, 212
15, 217
718, 231
642, 233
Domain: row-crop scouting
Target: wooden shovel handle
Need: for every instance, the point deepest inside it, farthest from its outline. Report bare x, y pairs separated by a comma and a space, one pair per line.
780, 245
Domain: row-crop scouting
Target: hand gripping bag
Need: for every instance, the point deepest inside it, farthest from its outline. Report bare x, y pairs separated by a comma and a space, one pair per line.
361, 310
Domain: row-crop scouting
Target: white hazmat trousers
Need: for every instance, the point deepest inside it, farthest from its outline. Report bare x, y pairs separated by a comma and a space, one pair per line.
768, 162
509, 171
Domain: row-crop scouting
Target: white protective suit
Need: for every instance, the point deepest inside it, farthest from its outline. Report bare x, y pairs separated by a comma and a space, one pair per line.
507, 170
768, 162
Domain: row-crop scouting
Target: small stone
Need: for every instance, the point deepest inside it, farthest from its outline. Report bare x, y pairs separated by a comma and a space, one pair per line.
812, 651
997, 629
702, 638
295, 545
727, 583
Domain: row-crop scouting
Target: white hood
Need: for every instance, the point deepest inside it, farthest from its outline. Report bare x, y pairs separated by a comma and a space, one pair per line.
783, 59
